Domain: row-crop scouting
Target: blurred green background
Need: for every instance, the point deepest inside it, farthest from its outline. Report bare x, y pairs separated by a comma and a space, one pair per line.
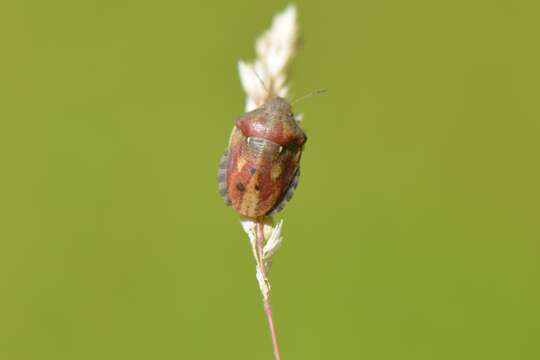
413, 234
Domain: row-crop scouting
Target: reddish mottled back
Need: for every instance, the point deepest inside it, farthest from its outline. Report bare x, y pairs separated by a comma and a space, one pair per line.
259, 171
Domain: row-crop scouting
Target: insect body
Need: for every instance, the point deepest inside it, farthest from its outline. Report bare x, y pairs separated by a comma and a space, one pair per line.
260, 168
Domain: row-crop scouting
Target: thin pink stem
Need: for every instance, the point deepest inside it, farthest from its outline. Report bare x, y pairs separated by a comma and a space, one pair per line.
266, 298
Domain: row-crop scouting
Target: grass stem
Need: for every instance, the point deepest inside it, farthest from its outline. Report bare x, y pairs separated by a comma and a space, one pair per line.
266, 297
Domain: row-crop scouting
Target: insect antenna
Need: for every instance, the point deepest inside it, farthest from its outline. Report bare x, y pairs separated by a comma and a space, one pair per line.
262, 83
316, 92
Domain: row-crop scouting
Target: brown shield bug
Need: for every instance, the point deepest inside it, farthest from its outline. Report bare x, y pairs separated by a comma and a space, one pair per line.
259, 171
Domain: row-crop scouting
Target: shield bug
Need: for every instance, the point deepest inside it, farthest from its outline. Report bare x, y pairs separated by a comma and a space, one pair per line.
259, 171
